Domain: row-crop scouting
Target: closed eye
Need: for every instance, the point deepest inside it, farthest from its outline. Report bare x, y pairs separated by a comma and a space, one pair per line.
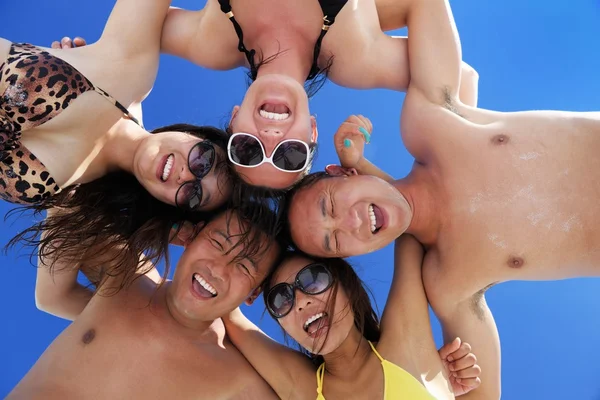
216, 244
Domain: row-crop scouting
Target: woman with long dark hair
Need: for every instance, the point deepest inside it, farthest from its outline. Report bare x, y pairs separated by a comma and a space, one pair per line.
323, 305
72, 138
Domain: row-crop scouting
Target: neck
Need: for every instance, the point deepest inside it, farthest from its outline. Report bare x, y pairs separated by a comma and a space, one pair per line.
121, 144
349, 358
194, 327
293, 53
419, 191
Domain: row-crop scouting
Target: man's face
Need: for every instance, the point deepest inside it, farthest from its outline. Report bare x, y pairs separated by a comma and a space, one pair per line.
213, 277
345, 216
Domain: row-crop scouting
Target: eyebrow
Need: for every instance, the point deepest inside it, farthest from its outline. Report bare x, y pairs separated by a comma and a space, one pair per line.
326, 239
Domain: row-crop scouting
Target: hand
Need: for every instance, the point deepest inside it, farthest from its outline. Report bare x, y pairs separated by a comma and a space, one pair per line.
67, 43
461, 366
350, 140
184, 234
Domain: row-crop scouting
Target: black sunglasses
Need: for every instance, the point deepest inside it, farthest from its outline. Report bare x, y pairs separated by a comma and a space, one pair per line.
313, 279
246, 150
200, 161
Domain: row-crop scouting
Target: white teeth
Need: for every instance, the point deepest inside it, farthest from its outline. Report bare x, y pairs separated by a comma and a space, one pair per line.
313, 319
275, 116
373, 219
205, 284
167, 169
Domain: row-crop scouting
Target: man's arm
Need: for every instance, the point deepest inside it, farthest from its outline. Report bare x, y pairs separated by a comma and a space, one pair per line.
472, 321
406, 337
58, 292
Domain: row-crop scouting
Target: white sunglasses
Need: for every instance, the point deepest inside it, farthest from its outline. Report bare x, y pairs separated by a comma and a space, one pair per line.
246, 150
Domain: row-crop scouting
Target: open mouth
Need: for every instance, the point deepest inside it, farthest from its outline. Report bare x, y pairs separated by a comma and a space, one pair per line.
202, 287
167, 167
316, 324
274, 112
376, 217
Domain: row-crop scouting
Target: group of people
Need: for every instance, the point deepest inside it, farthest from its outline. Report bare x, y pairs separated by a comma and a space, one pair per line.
486, 202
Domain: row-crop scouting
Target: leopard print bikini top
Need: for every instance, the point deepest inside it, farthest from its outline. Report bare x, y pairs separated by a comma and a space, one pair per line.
35, 87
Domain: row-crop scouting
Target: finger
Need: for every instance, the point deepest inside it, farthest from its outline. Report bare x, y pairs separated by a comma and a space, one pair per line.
182, 234
79, 42
449, 348
462, 351
66, 43
353, 138
55, 44
467, 361
470, 383
472, 372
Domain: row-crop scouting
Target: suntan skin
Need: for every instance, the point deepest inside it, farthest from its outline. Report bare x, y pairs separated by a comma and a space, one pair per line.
494, 196
142, 343
353, 371
364, 57
124, 63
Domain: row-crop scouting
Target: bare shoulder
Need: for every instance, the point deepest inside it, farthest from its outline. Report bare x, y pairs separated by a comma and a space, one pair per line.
4, 49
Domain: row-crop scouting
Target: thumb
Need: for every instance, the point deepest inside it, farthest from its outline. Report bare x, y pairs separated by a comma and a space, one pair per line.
449, 348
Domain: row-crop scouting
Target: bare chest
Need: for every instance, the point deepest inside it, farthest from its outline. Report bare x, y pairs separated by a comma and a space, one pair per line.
131, 353
521, 202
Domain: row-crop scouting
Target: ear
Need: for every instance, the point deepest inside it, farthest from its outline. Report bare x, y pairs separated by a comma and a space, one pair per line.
315, 131
338, 170
234, 112
252, 296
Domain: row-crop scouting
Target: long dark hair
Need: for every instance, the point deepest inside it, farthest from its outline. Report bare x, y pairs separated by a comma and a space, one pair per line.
366, 319
114, 213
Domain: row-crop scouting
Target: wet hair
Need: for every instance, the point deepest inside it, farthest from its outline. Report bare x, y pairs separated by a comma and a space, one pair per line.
113, 215
366, 319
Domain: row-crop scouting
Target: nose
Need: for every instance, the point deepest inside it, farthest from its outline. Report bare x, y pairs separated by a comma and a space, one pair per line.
216, 270
185, 175
302, 300
351, 222
270, 138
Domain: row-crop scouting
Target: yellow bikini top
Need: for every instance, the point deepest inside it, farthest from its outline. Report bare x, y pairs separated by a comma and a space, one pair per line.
399, 384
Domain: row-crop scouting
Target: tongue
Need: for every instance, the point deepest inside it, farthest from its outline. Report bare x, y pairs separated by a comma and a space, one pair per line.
378, 217
314, 326
276, 108
200, 290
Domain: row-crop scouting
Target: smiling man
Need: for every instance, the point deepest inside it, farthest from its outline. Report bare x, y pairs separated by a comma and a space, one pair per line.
152, 341
493, 196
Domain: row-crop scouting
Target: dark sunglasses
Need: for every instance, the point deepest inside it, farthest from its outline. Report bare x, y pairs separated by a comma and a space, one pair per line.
313, 279
200, 161
245, 150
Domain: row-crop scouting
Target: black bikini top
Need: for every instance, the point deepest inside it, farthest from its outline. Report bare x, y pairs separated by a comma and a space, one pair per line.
330, 8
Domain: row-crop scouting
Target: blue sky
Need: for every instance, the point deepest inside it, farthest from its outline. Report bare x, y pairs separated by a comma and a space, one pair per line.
530, 55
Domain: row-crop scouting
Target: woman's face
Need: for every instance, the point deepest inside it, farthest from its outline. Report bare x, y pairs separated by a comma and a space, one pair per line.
275, 108
161, 165
327, 332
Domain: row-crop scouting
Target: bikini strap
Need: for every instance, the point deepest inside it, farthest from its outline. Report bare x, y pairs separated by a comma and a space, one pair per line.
226, 9
116, 103
375, 351
330, 9
320, 376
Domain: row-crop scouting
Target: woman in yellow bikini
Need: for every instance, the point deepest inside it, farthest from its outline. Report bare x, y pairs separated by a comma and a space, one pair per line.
348, 353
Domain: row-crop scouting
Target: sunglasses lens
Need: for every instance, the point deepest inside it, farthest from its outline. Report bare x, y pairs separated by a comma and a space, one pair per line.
189, 195
291, 156
201, 159
314, 279
246, 150
280, 300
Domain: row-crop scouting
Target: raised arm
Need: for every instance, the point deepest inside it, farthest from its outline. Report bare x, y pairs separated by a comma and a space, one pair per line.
473, 322
284, 369
57, 290
188, 34
406, 337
